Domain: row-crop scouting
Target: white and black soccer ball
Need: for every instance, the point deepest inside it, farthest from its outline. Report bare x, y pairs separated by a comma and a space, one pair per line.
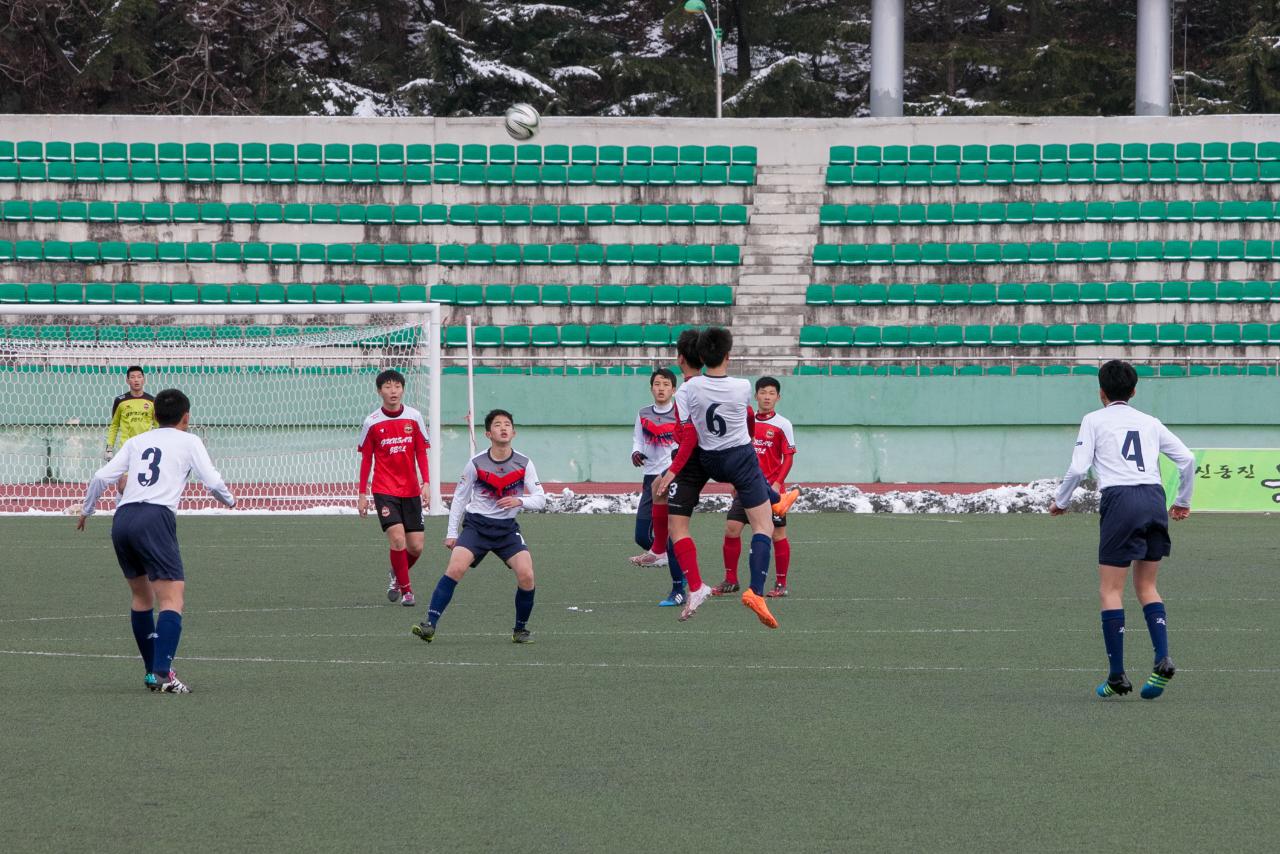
521, 121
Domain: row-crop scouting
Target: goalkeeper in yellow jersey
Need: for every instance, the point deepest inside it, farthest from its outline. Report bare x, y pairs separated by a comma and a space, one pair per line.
132, 413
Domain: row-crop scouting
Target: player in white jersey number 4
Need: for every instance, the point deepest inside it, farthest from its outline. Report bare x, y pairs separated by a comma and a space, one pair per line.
1122, 446
144, 531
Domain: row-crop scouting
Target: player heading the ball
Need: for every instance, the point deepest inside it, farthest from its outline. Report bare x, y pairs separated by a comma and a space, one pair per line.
145, 528
393, 444
1122, 446
495, 486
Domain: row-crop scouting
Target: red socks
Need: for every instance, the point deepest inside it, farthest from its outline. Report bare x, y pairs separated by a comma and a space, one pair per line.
687, 555
413, 558
400, 566
782, 559
659, 546
732, 551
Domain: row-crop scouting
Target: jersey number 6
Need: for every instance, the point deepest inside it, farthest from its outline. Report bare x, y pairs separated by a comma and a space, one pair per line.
152, 474
715, 423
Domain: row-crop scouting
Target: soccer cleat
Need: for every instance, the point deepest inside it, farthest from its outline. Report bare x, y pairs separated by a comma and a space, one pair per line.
521, 636
1117, 684
756, 603
724, 589
779, 591
694, 600
173, 685
426, 631
408, 601
650, 559
785, 501
674, 598
1159, 679
393, 589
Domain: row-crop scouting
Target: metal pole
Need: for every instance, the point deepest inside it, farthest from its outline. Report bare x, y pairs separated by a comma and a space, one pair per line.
886, 58
434, 452
1151, 96
716, 59
471, 389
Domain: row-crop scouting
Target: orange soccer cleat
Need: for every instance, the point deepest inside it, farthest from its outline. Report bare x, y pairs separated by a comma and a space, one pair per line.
785, 501
756, 603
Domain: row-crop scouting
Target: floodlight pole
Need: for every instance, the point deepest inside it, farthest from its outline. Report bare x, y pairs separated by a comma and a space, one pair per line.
886, 58
1151, 94
696, 7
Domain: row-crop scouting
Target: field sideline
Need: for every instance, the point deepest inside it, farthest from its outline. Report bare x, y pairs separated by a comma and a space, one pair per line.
930, 689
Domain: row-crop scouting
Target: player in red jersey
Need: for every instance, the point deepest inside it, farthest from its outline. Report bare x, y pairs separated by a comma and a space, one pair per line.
393, 443
775, 444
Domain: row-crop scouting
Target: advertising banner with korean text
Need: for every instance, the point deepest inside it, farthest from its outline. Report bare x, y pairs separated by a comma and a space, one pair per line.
1241, 480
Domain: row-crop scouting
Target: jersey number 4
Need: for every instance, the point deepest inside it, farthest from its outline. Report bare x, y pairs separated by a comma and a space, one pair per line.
715, 423
1131, 450
152, 474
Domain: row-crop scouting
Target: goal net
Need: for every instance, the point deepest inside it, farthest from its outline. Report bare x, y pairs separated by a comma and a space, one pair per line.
279, 406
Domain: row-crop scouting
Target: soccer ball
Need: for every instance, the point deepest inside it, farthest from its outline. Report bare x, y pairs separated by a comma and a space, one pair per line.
521, 121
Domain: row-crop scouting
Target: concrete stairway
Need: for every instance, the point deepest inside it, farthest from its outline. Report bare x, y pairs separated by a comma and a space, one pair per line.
777, 265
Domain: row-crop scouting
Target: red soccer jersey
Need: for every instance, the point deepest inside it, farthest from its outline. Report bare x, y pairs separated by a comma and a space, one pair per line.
775, 444
395, 445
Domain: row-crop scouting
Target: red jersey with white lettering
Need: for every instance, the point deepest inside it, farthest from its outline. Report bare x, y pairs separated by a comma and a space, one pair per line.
775, 443
394, 445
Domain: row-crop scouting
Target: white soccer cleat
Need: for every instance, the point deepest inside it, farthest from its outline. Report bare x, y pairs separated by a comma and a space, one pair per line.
393, 589
693, 600
650, 559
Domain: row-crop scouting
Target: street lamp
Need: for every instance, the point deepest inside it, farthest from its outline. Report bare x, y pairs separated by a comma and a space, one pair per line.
696, 7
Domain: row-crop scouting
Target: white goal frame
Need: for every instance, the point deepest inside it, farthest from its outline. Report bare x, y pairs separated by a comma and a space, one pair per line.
429, 312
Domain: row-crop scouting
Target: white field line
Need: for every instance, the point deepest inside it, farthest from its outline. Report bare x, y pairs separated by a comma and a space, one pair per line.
604, 665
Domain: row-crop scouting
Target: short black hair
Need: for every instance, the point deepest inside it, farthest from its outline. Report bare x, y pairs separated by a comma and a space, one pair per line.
497, 413
714, 344
391, 375
171, 405
133, 368
687, 347
1117, 379
669, 374
766, 382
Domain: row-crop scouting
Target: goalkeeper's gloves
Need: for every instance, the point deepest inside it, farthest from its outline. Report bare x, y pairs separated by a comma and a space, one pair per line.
638, 459
108, 453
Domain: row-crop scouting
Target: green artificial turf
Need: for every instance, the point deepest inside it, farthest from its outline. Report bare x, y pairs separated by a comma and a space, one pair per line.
931, 689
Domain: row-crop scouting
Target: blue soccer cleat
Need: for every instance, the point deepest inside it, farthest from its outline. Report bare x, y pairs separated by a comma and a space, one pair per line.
1159, 679
1117, 684
674, 599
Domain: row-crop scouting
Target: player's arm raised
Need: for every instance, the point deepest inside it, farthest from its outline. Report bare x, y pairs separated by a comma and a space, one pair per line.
461, 497
109, 474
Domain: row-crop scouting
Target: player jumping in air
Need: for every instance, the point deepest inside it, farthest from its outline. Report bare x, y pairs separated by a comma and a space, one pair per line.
393, 443
651, 449
775, 444
145, 528
1123, 445
716, 423
495, 486
131, 413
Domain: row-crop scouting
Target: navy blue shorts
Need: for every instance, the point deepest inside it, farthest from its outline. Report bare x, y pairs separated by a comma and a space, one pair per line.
685, 491
481, 535
741, 467
738, 513
146, 541
1134, 525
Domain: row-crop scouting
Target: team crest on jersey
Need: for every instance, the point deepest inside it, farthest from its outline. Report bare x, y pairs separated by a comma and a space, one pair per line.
408, 427
386, 511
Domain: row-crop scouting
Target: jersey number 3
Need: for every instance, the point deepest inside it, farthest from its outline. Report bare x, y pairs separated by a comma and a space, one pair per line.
1132, 449
152, 474
715, 423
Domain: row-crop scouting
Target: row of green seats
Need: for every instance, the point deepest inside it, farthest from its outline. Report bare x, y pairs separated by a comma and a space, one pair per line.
19, 210
32, 151
1217, 172
1040, 335
1042, 293
1079, 152
331, 173
569, 335
1165, 371
559, 370
189, 334
1045, 253
74, 293
450, 254
966, 213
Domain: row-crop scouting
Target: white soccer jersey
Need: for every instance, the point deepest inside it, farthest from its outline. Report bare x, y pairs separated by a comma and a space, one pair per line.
717, 408
158, 463
485, 481
1123, 447
655, 437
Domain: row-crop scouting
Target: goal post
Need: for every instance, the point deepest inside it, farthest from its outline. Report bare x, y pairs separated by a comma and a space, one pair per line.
278, 404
